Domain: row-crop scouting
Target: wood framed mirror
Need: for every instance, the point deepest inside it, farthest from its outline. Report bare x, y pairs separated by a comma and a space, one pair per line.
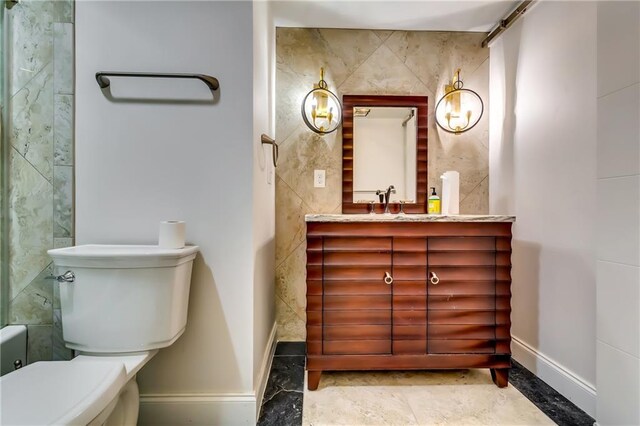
384, 142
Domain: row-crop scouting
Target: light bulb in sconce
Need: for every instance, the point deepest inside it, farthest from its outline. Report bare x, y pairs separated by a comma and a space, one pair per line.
321, 109
456, 99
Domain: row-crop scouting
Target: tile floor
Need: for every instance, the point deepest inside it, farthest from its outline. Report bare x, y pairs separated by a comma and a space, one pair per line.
409, 398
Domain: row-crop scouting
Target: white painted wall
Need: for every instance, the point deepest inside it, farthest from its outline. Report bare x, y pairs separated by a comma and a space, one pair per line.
263, 193
144, 161
543, 170
618, 240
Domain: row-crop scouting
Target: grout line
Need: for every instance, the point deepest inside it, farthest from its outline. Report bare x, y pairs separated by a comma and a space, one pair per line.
32, 78
478, 67
619, 177
292, 310
618, 90
618, 349
382, 43
50, 182
618, 263
31, 282
474, 188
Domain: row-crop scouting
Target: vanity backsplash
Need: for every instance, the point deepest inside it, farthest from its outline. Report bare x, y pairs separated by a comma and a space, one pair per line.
363, 62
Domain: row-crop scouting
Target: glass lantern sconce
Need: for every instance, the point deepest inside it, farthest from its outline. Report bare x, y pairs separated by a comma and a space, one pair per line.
460, 109
321, 109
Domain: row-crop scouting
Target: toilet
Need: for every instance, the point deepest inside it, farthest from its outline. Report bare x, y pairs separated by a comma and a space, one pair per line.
120, 304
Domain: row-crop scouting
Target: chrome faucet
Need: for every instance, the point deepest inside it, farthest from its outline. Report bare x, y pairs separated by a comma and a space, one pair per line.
390, 190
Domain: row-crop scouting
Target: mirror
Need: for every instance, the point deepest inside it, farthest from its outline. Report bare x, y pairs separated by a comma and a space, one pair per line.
384, 140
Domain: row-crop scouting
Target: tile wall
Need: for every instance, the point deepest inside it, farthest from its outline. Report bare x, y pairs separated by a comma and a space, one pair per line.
618, 204
41, 99
363, 62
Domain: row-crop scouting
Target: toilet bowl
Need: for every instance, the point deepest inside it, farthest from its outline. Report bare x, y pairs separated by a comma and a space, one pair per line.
121, 304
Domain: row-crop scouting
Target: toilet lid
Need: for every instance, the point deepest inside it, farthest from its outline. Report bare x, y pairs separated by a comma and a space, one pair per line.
59, 392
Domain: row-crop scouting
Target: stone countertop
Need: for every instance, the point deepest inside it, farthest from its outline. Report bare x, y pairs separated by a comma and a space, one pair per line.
381, 217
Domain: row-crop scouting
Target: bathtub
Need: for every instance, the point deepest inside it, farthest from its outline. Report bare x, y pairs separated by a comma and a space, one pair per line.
13, 347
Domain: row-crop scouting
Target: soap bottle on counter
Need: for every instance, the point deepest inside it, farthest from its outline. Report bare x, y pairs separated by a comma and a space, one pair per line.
433, 205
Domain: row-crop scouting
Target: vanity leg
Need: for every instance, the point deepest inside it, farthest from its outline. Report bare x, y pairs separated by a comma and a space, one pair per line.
500, 377
313, 379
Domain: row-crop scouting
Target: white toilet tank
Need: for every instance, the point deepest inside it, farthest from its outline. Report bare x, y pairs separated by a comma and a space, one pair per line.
123, 298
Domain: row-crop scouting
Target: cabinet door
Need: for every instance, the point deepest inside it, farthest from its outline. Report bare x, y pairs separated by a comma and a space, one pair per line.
356, 301
462, 297
409, 288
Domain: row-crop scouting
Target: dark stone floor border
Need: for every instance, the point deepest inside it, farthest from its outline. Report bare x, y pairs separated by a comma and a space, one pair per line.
283, 397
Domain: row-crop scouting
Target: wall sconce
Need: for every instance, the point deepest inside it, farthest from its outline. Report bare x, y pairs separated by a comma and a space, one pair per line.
459, 110
321, 109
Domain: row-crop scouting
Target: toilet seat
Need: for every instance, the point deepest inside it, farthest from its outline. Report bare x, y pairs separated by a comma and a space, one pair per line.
60, 392
67, 392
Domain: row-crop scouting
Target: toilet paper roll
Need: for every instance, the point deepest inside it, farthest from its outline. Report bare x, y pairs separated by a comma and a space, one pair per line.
172, 234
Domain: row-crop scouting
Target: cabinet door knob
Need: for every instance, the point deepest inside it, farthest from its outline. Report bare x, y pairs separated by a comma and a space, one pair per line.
388, 279
434, 278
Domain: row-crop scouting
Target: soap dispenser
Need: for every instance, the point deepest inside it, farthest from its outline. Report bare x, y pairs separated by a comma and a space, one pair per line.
433, 206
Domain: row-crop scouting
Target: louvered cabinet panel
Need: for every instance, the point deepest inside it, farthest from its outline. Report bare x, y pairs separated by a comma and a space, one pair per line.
354, 292
409, 296
466, 268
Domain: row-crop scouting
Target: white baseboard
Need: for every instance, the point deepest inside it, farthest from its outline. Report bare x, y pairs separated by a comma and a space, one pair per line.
563, 380
209, 409
265, 369
197, 409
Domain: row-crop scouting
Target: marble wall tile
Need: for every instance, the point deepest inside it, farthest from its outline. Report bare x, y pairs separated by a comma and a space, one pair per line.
291, 282
300, 55
477, 201
31, 223
63, 201
63, 130
62, 242
364, 62
434, 56
383, 74
59, 243
290, 224
31, 131
340, 52
293, 89
383, 35
457, 152
34, 304
63, 75
63, 11
39, 343
31, 34
304, 152
59, 351
41, 138
290, 327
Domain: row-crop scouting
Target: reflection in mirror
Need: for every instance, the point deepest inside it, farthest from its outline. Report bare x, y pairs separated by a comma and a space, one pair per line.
384, 143
384, 152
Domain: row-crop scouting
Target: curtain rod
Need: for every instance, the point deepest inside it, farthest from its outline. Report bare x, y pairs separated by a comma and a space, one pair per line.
507, 22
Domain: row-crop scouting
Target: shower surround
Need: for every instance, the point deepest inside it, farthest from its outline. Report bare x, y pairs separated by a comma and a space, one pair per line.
40, 133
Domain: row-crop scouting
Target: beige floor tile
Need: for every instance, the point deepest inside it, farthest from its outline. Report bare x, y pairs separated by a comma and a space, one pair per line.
461, 397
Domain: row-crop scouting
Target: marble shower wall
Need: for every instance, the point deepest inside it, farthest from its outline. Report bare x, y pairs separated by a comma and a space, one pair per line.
363, 62
40, 165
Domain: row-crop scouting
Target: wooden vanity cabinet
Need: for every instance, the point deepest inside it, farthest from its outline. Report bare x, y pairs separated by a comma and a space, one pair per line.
445, 303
